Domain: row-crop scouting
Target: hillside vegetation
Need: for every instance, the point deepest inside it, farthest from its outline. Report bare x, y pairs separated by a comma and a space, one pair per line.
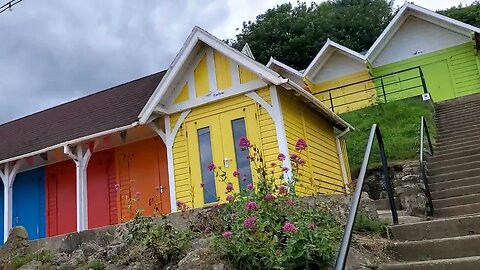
399, 123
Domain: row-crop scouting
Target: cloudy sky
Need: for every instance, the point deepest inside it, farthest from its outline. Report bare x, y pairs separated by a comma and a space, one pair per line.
53, 51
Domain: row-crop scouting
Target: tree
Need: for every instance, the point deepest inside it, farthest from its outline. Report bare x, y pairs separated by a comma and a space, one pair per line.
468, 14
295, 34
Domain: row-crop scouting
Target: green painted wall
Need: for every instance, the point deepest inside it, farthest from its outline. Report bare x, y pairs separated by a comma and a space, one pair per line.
449, 73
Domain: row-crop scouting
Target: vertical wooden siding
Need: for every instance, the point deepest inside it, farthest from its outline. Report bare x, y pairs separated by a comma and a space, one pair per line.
462, 64
321, 173
61, 198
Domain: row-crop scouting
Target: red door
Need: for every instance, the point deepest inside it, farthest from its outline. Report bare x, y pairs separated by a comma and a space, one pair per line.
61, 198
101, 193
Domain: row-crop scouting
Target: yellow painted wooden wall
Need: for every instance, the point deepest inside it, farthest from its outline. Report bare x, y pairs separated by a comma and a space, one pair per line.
322, 172
347, 98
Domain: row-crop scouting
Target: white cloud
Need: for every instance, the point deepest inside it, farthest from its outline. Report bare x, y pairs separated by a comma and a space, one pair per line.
53, 51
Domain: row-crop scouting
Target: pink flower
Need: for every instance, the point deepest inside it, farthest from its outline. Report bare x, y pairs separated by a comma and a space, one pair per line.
283, 190
217, 206
117, 187
251, 206
180, 204
294, 157
291, 202
300, 161
285, 169
281, 157
244, 143
230, 198
244, 178
228, 235
137, 195
236, 173
311, 226
300, 145
211, 166
250, 186
206, 230
250, 222
229, 187
289, 228
273, 164
249, 157
269, 197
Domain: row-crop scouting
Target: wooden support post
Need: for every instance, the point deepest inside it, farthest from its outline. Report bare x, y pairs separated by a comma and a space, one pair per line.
81, 157
8, 175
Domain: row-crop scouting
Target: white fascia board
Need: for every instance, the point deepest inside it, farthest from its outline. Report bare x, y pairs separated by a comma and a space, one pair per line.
411, 9
322, 57
283, 66
330, 115
197, 35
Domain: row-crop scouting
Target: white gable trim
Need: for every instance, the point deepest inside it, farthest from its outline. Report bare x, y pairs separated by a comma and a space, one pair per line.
196, 36
321, 58
283, 66
409, 9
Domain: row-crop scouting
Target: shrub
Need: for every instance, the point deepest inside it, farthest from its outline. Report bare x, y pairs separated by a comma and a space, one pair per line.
267, 227
364, 224
96, 265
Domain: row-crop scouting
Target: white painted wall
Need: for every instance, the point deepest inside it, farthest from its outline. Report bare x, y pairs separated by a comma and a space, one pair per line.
416, 37
338, 65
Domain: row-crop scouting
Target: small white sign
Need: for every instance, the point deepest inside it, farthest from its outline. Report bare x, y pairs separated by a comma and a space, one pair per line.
426, 96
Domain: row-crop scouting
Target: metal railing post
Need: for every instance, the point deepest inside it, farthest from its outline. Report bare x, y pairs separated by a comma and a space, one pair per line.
383, 90
424, 85
424, 128
386, 176
331, 100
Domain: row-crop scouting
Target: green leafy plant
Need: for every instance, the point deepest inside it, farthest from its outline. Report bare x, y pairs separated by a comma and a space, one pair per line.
364, 224
96, 265
266, 226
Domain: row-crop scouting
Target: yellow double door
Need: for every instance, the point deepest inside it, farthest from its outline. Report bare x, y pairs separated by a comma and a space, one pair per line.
214, 139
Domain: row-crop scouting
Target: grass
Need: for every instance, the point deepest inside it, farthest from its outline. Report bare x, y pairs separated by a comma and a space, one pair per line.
399, 122
364, 224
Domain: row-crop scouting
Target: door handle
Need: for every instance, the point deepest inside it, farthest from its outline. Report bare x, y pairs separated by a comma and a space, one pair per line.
161, 189
226, 162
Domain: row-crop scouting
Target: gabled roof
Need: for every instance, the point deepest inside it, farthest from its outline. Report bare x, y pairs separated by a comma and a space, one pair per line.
323, 55
199, 36
278, 66
110, 109
247, 51
425, 14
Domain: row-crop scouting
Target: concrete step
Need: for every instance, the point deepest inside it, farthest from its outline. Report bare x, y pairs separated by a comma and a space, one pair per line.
455, 118
403, 218
454, 175
456, 111
457, 124
432, 249
438, 228
437, 157
458, 106
455, 192
455, 114
473, 127
455, 201
459, 100
453, 161
473, 138
457, 134
458, 210
446, 145
465, 263
470, 181
384, 204
438, 170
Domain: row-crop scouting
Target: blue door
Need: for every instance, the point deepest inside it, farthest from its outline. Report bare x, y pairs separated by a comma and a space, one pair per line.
29, 202
1, 213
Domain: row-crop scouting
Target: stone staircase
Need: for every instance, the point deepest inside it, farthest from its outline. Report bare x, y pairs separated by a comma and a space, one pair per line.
451, 240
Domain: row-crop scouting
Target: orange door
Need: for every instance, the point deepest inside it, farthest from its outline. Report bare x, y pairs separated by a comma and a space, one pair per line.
142, 171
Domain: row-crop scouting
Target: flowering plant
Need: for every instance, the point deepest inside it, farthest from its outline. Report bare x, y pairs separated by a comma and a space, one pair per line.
266, 226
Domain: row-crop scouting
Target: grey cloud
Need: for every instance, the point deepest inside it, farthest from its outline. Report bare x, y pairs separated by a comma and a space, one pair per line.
53, 51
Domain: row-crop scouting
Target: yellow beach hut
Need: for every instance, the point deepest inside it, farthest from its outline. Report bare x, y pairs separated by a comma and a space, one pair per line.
212, 95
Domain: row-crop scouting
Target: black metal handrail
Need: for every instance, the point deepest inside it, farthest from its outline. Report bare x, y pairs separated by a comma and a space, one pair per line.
423, 169
347, 235
378, 82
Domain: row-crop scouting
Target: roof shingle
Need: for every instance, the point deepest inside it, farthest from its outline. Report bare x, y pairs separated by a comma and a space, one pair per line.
105, 110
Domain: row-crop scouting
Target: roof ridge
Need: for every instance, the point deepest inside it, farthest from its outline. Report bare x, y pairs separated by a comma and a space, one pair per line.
79, 98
